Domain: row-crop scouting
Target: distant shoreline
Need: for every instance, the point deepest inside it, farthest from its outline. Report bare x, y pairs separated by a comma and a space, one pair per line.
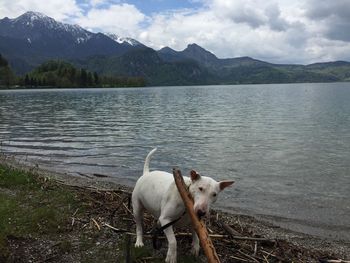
58, 87
150, 86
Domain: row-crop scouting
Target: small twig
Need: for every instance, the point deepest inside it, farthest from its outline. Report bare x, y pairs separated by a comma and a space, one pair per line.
255, 248
127, 209
97, 225
265, 258
240, 225
115, 229
270, 254
248, 256
76, 211
240, 259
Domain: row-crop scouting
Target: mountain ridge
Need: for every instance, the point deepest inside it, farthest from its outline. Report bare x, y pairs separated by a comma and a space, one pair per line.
33, 38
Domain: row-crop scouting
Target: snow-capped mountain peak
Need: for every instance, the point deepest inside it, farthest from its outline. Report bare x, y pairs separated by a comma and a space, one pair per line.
37, 38
121, 40
30, 17
30, 23
33, 15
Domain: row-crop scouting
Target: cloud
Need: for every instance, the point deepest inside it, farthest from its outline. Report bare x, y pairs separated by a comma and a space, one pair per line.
279, 31
122, 19
239, 11
275, 20
324, 9
332, 17
52, 8
220, 28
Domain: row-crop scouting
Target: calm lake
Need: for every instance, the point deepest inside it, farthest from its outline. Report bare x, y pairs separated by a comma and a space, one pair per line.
286, 146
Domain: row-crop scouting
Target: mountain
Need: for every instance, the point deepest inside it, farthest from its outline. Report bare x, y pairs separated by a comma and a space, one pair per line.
242, 70
124, 40
191, 52
33, 38
146, 63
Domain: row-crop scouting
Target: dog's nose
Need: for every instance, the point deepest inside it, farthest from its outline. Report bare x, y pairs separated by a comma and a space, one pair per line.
200, 213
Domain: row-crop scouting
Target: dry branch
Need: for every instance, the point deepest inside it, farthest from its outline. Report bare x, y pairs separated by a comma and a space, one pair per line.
199, 227
236, 235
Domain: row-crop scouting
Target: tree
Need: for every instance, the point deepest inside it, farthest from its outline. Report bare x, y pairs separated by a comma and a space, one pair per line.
26, 80
83, 77
3, 61
96, 78
7, 78
90, 80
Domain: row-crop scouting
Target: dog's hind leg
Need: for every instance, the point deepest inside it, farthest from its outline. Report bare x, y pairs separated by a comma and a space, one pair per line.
138, 214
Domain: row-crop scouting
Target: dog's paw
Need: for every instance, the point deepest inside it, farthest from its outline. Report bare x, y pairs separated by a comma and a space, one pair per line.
138, 243
195, 250
170, 258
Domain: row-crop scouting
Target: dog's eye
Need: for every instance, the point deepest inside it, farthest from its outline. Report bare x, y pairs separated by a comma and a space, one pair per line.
200, 189
214, 194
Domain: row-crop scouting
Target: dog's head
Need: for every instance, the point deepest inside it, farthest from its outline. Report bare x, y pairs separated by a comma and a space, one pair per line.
205, 191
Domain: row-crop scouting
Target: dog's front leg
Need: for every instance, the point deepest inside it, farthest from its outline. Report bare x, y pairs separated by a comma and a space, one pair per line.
169, 233
195, 244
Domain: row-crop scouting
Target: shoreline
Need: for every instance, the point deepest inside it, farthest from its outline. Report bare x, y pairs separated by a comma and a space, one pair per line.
155, 86
255, 224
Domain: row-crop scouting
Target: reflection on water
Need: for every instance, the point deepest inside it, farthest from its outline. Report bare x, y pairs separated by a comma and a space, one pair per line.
286, 146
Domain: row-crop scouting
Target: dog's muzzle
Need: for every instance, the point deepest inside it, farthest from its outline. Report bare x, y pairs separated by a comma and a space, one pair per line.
201, 213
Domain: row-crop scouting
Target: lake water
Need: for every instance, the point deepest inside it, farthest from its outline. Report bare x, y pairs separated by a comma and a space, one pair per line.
286, 146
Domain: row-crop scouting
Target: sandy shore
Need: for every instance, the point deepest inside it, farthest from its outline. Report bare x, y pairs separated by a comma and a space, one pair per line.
337, 248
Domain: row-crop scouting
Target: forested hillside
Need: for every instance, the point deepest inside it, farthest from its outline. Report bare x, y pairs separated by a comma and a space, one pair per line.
56, 73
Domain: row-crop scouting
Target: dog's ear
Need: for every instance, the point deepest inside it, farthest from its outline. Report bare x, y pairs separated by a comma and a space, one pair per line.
194, 175
224, 184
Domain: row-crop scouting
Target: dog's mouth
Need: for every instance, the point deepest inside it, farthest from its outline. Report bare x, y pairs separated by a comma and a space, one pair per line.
201, 214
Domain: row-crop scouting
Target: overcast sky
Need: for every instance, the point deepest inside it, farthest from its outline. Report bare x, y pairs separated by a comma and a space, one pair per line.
284, 31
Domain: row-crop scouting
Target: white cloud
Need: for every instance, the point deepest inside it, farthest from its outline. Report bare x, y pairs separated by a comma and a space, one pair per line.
276, 31
221, 28
95, 3
122, 19
53, 8
281, 31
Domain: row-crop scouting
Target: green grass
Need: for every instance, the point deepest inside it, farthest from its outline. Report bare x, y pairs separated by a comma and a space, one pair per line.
30, 208
137, 255
17, 180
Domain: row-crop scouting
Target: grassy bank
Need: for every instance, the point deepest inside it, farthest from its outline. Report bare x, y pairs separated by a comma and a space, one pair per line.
37, 222
46, 220
42, 220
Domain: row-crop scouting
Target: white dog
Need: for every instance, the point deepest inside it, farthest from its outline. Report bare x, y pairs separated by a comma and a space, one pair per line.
157, 193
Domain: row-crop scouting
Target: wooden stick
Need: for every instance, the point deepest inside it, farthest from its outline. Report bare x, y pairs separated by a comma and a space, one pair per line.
233, 233
228, 229
199, 227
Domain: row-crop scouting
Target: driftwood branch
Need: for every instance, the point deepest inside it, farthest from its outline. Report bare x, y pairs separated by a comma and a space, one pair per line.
236, 235
199, 227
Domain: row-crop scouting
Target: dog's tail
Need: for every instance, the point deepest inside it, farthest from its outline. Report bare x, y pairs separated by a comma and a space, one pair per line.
148, 158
